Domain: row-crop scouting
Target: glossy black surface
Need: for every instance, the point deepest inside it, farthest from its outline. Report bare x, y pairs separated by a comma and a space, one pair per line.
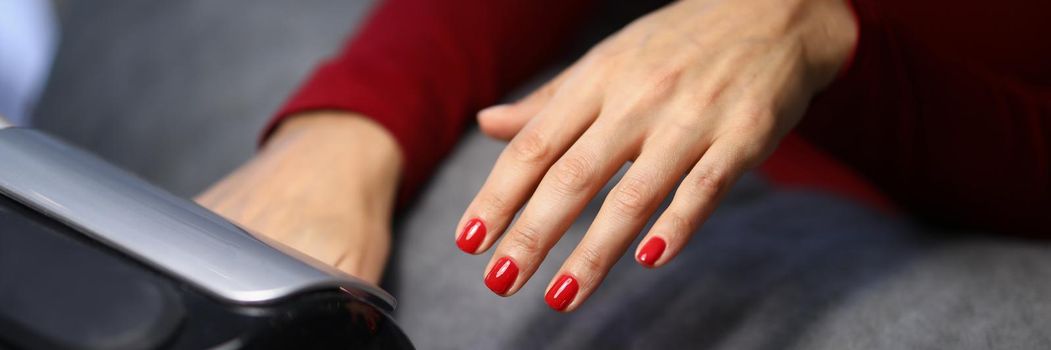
59, 289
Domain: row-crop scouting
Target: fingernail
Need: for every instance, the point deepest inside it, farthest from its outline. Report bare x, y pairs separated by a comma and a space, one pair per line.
562, 293
651, 251
472, 236
502, 276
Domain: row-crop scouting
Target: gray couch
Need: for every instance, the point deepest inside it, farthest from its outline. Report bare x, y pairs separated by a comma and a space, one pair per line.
177, 91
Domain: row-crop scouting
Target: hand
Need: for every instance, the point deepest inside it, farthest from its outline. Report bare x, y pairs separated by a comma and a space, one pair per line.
701, 88
324, 184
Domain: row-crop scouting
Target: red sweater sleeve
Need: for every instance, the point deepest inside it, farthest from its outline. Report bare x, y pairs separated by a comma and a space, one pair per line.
946, 108
422, 68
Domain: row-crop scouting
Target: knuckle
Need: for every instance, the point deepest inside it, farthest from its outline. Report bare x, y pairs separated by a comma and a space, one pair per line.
525, 238
495, 204
678, 225
594, 67
756, 135
603, 52
660, 82
530, 147
687, 127
706, 184
589, 260
655, 88
751, 153
632, 197
573, 174
754, 121
549, 89
749, 122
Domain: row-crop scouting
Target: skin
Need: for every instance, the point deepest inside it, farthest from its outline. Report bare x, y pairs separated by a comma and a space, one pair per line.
693, 95
324, 184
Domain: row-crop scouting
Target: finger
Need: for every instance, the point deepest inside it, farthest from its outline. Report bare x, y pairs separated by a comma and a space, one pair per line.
624, 212
696, 197
561, 195
503, 121
523, 163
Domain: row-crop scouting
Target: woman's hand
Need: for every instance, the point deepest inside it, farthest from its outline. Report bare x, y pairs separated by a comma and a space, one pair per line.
701, 88
324, 184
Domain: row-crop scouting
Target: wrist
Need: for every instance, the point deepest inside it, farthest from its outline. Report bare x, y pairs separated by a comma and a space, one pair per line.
829, 38
336, 146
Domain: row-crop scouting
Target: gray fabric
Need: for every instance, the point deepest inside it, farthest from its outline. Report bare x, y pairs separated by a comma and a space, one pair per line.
772, 269
176, 92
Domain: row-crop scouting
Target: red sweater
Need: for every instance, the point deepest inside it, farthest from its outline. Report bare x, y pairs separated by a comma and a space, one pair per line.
946, 107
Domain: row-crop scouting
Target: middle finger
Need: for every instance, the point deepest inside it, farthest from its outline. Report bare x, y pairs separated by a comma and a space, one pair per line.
563, 192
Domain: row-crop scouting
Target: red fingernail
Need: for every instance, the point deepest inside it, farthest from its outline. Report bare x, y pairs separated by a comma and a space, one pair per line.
472, 236
502, 276
562, 293
651, 251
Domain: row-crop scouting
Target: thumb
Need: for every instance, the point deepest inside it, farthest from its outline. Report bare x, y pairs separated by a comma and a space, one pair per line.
504, 121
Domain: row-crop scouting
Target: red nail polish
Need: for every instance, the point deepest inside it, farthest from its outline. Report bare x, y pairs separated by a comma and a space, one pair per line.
502, 276
651, 251
472, 236
562, 292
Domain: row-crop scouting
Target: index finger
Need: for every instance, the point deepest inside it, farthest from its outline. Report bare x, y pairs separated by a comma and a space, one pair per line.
522, 164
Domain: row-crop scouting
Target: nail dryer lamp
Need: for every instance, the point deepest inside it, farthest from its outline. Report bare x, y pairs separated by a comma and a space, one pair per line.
94, 258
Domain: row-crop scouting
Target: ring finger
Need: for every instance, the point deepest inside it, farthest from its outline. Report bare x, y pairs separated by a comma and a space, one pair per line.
564, 191
624, 212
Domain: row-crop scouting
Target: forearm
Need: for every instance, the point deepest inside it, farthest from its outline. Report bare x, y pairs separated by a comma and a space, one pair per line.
325, 185
348, 151
422, 68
